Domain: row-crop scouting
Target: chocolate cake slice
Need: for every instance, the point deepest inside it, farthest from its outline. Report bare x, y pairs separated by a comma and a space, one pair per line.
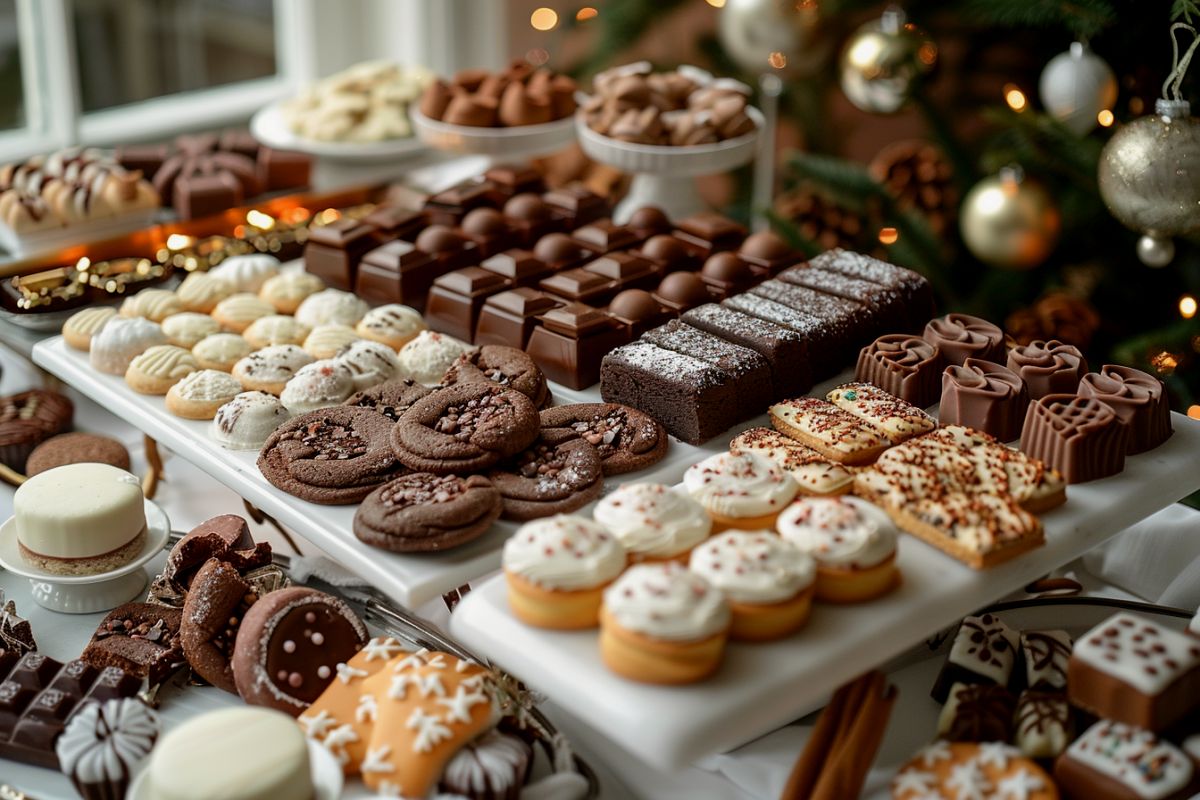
824, 343
913, 287
785, 349
749, 370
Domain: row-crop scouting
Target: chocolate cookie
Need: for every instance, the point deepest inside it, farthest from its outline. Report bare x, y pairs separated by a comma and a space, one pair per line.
626, 439
506, 366
139, 638
76, 448
464, 428
422, 511
27, 419
558, 474
334, 456
215, 605
290, 645
391, 398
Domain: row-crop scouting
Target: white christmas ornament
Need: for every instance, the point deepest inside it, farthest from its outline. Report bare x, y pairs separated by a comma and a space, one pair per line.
1076, 86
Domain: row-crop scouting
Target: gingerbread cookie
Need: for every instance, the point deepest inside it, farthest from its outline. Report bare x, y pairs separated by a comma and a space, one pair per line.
464, 428
506, 366
556, 475
391, 399
421, 512
289, 645
987, 771
626, 439
334, 456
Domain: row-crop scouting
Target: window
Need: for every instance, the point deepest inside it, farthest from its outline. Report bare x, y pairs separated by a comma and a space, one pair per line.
12, 89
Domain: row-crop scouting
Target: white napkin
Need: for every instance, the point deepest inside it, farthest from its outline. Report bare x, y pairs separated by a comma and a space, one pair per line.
1158, 559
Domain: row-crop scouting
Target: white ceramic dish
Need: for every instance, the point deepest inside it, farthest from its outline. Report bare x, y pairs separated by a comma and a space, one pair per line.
501, 144
270, 127
761, 687
87, 594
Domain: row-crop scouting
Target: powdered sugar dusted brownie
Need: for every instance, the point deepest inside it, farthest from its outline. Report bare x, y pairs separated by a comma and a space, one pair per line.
913, 287
850, 321
1115, 760
886, 303
895, 418
825, 345
785, 349
984, 651
814, 473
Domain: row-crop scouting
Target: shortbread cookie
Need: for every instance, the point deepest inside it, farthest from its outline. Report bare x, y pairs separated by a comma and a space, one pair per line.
896, 419
79, 329
236, 312
960, 770
120, 340
832, 432
159, 368
201, 291
813, 472
200, 394
152, 304
287, 290
271, 368
370, 363
188, 328
394, 325
273, 330
331, 307
247, 272
326, 341
321, 384
221, 351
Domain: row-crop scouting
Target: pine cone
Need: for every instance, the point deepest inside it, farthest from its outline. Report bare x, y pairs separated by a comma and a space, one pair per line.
918, 174
1055, 315
825, 223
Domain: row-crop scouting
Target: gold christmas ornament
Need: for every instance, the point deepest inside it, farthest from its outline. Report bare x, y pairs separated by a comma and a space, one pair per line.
1009, 222
882, 60
782, 35
1076, 86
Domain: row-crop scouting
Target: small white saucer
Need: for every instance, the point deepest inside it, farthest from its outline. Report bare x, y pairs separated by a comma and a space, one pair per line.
87, 594
271, 128
326, 776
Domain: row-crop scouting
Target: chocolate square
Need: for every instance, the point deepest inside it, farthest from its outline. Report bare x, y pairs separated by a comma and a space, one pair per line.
395, 222
629, 270
519, 266
448, 207
785, 349
396, 272
511, 179
334, 250
197, 196
571, 341
144, 158
283, 169
581, 286
508, 318
576, 205
240, 141
605, 236
708, 232
456, 298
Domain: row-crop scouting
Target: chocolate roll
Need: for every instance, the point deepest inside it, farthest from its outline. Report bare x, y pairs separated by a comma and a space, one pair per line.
1138, 399
985, 396
1048, 367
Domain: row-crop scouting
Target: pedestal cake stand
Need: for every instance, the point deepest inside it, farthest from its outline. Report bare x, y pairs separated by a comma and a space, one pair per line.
498, 145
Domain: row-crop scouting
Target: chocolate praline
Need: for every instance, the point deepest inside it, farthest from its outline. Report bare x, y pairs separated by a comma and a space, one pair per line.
1048, 367
961, 336
766, 245
726, 266
666, 250
1137, 397
528, 207
682, 290
648, 220
985, 396
440, 239
634, 304
483, 222
555, 248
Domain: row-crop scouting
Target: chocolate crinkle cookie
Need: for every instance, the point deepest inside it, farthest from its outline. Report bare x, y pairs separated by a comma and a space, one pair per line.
626, 439
334, 456
422, 512
464, 428
391, 398
506, 366
558, 474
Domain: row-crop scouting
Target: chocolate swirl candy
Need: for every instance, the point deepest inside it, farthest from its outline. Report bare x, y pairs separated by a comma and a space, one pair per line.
1137, 398
903, 365
985, 396
1048, 367
1081, 437
961, 336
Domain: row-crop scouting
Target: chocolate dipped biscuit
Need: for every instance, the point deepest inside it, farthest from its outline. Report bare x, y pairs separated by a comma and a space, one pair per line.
506, 366
422, 512
334, 456
212, 612
139, 638
1081, 437
985, 396
1048, 367
559, 473
626, 439
464, 428
391, 398
903, 365
291, 644
961, 336
1139, 400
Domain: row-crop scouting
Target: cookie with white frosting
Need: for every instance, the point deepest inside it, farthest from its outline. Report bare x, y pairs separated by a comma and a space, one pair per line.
221, 351
394, 325
331, 307
269, 369
120, 341
745, 491
653, 522
321, 384
953, 771
200, 394
246, 421
1112, 759
248, 272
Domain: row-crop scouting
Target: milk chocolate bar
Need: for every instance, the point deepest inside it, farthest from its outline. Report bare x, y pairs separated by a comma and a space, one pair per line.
508, 318
396, 272
456, 299
571, 341
334, 250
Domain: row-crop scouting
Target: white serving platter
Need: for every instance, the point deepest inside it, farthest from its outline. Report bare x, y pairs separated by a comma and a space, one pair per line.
270, 127
410, 580
761, 687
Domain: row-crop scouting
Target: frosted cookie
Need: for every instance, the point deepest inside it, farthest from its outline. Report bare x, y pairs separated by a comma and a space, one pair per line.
273, 330
247, 273
557, 569
768, 582
984, 651
813, 472
120, 340
1042, 725
152, 304
321, 384
980, 530
271, 368
326, 341
962, 770
831, 431
159, 368
744, 491
426, 358
79, 329
201, 291
1115, 760
331, 307
853, 542
245, 422
663, 623
200, 394
236, 312
394, 325
186, 329
653, 522
287, 290
1045, 655
221, 351
896, 419
370, 363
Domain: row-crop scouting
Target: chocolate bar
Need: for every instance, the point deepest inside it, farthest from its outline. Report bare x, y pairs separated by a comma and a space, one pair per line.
571, 341
575, 205
627, 270
605, 236
521, 267
708, 232
580, 286
508, 318
334, 250
984, 651
785, 349
456, 299
396, 272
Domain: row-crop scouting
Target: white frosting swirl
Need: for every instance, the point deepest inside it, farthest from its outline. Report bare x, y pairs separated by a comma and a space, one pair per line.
754, 567
839, 531
105, 743
427, 357
744, 485
564, 552
667, 601
650, 519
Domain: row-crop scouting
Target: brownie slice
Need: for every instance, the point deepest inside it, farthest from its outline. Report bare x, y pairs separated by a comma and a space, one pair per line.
850, 323
785, 349
692, 399
913, 287
750, 371
140, 638
825, 346
887, 304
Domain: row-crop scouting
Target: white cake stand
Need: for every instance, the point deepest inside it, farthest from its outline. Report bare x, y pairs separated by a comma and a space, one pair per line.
270, 127
87, 594
664, 175
498, 145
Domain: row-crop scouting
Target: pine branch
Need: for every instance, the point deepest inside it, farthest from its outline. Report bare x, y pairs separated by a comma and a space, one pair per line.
1040, 141
1185, 10
1085, 18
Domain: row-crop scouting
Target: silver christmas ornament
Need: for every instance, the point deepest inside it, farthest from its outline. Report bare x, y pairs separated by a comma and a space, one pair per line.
1154, 251
1076, 86
1009, 222
767, 35
881, 61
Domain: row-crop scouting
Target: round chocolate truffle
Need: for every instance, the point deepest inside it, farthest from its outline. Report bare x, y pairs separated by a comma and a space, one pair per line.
765, 245
439, 239
726, 267
483, 222
555, 247
650, 219
634, 305
527, 206
665, 249
684, 289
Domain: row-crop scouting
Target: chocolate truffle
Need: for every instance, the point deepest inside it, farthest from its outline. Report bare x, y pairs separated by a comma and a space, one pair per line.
440, 239
669, 252
1048, 367
681, 291
985, 396
726, 274
961, 336
649, 221
560, 251
1137, 397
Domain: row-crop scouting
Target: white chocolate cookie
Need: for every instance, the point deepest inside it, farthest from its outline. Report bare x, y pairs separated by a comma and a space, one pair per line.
200, 394
186, 329
159, 368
